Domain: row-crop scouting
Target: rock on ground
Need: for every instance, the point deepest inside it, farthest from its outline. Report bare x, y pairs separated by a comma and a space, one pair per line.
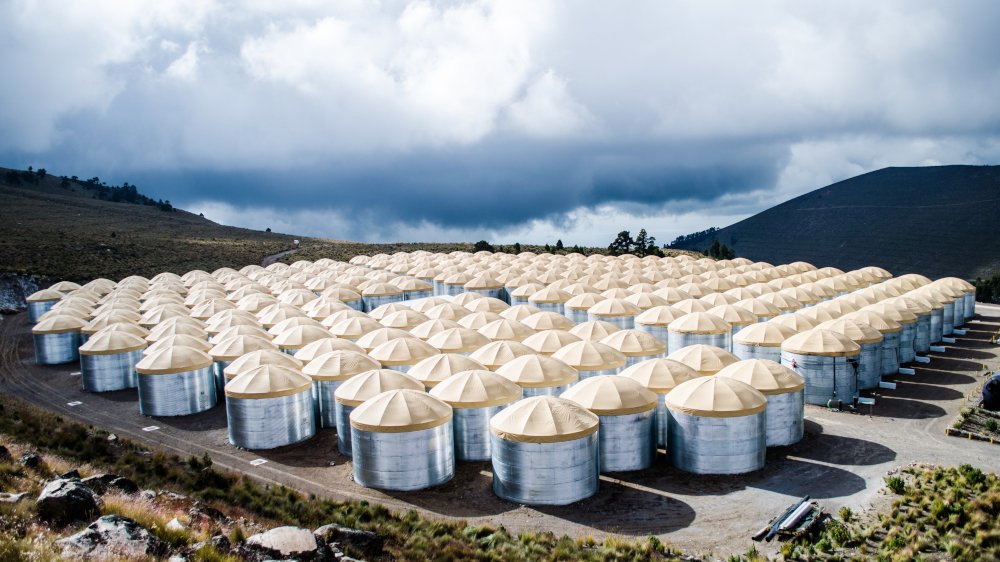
104, 483
367, 542
64, 500
112, 537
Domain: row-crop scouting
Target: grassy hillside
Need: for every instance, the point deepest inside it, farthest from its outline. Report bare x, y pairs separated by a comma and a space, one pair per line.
937, 221
63, 229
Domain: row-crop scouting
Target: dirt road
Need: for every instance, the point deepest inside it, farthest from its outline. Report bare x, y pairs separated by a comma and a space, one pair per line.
275, 257
841, 461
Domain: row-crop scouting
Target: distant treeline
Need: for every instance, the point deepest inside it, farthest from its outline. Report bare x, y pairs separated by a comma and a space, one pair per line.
125, 193
693, 237
988, 290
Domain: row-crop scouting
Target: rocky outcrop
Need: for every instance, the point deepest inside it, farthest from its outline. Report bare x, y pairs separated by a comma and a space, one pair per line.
65, 500
14, 289
30, 459
113, 537
365, 542
284, 543
104, 483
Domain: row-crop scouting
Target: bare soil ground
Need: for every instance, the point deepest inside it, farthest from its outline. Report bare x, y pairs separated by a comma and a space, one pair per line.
841, 461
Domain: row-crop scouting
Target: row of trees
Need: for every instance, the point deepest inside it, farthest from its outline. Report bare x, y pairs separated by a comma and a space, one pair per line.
125, 193
988, 290
516, 248
693, 237
720, 251
642, 245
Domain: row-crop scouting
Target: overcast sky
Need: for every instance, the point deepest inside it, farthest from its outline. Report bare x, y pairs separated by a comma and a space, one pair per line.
508, 120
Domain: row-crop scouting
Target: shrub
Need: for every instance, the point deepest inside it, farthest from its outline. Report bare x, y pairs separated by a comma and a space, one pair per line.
896, 484
846, 514
992, 425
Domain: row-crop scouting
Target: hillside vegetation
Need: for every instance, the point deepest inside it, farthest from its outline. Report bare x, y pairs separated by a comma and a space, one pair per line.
938, 221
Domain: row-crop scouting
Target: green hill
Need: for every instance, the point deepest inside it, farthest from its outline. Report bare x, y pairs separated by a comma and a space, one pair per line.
937, 221
62, 228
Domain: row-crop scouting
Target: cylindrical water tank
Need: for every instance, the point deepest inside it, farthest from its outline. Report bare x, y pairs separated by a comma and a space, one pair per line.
591, 358
704, 359
891, 330
761, 341
57, 339
718, 425
328, 371
764, 311
635, 345
545, 452
41, 302
475, 397
108, 360
230, 349
551, 299
785, 392
958, 299
698, 328
437, 368
294, 338
619, 312
485, 284
828, 361
655, 322
522, 293
269, 406
401, 354
257, 358
660, 376
736, 316
354, 391
921, 309
402, 440
627, 413
176, 381
505, 329
576, 307
539, 375
907, 320
947, 302
869, 340
547, 320
377, 294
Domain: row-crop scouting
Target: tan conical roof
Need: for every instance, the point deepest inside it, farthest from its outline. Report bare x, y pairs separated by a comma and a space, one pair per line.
659, 316
361, 387
339, 365
612, 395
458, 340
859, 332
548, 320
381, 290
298, 337
705, 359
112, 343
548, 342
45, 295
538, 371
797, 322
261, 357
477, 388
876, 320
699, 323
437, 368
897, 312
268, 381
519, 312
716, 397
955, 282
594, 330
403, 351
549, 294
614, 308
821, 342
319, 347
58, 324
544, 419
504, 329
765, 375
584, 301
495, 354
764, 334
635, 343
400, 411
170, 360
589, 355
134, 329
234, 347
660, 375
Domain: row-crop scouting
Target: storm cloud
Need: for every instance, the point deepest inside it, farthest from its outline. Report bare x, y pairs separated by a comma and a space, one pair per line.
507, 120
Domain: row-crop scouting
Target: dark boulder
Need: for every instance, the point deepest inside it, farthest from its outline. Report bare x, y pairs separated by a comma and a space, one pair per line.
64, 500
113, 537
30, 459
365, 542
4, 454
104, 483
